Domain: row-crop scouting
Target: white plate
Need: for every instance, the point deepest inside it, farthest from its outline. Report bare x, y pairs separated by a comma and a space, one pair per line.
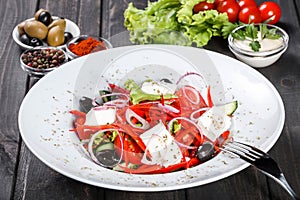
44, 118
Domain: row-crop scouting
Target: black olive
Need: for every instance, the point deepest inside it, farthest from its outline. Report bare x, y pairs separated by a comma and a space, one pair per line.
35, 42
166, 80
45, 18
108, 157
205, 151
25, 39
85, 104
68, 36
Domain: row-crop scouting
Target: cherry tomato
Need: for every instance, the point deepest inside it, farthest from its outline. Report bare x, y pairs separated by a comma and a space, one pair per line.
133, 151
250, 14
217, 2
243, 3
231, 7
203, 6
270, 11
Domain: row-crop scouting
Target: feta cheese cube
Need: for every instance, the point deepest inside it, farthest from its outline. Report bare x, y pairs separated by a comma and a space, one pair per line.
161, 146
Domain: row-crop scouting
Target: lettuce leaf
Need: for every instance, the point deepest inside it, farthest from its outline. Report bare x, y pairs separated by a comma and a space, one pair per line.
185, 12
157, 20
173, 22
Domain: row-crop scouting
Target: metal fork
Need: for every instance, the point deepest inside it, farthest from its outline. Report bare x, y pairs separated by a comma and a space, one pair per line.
261, 160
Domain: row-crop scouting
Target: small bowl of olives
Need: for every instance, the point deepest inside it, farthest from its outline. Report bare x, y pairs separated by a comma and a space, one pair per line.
86, 44
44, 30
39, 61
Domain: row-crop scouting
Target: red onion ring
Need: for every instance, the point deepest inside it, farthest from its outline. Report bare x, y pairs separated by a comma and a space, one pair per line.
196, 93
196, 111
189, 74
90, 147
168, 107
129, 113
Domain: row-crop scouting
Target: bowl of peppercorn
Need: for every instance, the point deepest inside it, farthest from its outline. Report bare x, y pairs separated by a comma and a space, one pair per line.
85, 44
39, 61
44, 30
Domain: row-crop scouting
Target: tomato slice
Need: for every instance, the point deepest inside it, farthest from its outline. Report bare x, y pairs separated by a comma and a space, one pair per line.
270, 12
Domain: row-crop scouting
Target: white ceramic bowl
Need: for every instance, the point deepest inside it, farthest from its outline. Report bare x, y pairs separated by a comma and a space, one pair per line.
70, 27
261, 58
75, 40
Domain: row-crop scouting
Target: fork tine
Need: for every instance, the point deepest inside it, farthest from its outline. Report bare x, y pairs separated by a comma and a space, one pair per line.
253, 149
237, 152
254, 152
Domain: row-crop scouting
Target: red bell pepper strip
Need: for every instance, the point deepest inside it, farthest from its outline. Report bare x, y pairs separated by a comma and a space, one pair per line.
80, 117
143, 169
116, 89
156, 169
162, 100
77, 113
128, 129
102, 127
183, 165
125, 146
191, 130
209, 99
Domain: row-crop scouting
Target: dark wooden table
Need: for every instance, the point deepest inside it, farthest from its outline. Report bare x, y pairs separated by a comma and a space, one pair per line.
23, 176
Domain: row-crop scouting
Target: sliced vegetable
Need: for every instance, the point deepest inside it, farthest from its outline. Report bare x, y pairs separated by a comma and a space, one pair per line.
230, 108
102, 150
137, 95
140, 122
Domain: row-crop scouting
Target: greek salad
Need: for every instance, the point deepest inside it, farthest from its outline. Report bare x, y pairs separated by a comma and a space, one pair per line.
151, 127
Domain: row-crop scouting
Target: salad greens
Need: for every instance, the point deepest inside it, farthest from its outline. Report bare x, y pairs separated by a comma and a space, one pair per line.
137, 94
173, 22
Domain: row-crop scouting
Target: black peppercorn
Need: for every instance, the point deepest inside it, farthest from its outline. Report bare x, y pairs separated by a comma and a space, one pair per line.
44, 58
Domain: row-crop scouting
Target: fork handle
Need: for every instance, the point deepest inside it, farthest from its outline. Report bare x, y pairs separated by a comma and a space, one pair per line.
284, 184
287, 187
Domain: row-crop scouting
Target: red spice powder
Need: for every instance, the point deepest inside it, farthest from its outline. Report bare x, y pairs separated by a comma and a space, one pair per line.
87, 46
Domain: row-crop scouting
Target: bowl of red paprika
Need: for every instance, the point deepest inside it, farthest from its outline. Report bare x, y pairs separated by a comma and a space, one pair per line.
85, 44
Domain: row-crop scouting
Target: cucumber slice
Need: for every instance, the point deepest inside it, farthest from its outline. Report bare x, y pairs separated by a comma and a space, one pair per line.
230, 108
106, 146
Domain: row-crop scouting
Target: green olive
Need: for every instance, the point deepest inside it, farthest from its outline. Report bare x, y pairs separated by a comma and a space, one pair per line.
56, 36
59, 22
21, 28
36, 29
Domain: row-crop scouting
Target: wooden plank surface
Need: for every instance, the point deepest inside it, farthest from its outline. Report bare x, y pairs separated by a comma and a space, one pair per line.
285, 76
51, 184
12, 81
23, 176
